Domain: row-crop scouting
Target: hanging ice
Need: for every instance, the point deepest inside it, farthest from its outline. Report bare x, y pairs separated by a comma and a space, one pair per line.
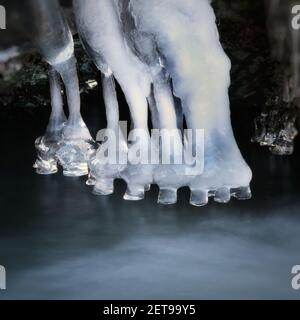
66, 141
276, 126
144, 45
155, 50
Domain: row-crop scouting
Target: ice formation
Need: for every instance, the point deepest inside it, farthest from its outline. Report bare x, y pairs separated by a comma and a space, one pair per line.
66, 141
276, 128
155, 50
144, 44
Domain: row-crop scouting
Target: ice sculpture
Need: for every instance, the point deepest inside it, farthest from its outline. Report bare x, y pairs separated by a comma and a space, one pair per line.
145, 45
66, 141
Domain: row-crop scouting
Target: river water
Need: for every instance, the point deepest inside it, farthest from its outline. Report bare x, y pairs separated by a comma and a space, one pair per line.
59, 241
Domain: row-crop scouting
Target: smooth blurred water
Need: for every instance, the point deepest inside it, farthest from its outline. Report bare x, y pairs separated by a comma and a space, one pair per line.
58, 241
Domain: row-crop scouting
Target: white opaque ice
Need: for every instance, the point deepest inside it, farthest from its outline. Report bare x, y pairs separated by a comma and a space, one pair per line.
169, 40
187, 36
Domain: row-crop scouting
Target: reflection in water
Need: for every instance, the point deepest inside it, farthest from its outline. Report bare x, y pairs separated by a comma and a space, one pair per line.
57, 240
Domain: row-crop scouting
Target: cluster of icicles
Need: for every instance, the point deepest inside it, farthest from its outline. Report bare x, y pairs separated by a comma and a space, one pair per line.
155, 50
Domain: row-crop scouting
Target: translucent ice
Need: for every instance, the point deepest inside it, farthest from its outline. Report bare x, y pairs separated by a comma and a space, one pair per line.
66, 141
276, 126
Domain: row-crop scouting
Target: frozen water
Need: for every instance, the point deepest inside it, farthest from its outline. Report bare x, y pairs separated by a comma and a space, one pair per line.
155, 50
186, 35
147, 44
276, 126
66, 141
